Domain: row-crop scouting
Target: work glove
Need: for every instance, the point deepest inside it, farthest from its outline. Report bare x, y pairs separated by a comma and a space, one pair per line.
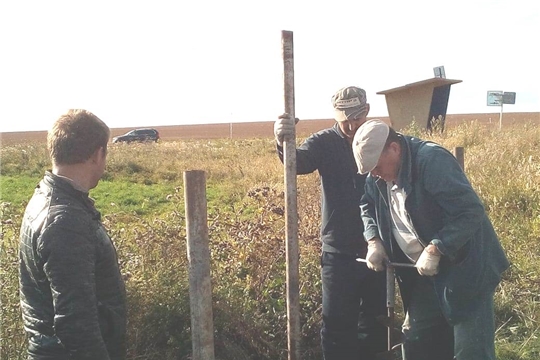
428, 263
376, 257
284, 127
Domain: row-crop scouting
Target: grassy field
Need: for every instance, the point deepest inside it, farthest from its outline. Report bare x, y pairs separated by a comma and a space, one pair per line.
141, 198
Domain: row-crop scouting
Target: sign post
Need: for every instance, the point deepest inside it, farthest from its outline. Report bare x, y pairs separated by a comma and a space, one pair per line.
498, 98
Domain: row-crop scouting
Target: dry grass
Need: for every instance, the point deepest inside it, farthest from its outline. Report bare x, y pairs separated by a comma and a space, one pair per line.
245, 207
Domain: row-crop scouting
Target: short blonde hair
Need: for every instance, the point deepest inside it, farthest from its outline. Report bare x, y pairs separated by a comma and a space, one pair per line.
75, 136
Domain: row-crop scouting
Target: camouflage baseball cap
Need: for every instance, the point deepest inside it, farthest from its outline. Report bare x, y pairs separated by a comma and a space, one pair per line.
349, 103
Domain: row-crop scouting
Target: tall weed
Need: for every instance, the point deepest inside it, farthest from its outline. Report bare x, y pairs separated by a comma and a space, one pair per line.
142, 201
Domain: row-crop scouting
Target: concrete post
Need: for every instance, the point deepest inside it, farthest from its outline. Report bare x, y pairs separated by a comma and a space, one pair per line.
289, 152
200, 288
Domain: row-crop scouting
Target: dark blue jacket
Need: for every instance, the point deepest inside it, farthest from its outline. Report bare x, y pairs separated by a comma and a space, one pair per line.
72, 294
446, 211
329, 152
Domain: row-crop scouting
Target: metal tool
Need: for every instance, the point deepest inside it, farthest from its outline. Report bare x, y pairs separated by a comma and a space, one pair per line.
394, 351
388, 263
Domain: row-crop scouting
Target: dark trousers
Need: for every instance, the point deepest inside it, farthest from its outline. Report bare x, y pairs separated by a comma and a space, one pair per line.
353, 297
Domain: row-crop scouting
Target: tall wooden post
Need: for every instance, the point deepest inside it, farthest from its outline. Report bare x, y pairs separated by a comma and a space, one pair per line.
200, 288
289, 153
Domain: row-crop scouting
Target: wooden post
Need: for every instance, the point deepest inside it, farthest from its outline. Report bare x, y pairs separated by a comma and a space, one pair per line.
200, 287
501, 116
459, 153
291, 219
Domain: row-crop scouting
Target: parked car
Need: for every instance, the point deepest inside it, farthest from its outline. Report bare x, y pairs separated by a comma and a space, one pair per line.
140, 135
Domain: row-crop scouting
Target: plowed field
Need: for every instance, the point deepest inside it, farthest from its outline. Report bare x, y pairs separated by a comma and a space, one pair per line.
265, 129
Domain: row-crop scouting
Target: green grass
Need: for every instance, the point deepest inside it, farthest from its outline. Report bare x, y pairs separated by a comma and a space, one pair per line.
17, 189
141, 197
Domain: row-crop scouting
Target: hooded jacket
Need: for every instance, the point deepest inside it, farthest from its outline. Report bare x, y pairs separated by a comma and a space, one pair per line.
71, 290
445, 211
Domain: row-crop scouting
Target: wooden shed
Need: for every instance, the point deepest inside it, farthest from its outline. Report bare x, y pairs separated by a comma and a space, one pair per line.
420, 102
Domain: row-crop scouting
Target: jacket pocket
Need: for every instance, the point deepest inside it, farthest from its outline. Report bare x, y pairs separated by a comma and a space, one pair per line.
460, 284
111, 324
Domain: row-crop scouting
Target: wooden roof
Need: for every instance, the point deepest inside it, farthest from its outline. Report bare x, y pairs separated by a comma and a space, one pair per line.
436, 82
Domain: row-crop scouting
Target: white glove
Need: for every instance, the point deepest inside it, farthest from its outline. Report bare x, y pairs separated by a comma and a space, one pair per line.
376, 255
428, 263
284, 127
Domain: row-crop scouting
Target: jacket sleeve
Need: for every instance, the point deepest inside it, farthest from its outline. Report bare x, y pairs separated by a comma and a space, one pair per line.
308, 155
68, 253
367, 211
463, 212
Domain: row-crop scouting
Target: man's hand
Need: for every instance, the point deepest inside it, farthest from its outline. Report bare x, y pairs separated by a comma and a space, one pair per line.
376, 255
428, 262
284, 127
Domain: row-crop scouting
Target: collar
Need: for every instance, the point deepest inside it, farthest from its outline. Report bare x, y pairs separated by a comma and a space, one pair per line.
404, 178
337, 129
67, 185
392, 186
72, 183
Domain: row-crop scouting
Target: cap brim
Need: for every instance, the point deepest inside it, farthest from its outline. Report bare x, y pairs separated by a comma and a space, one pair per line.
340, 115
347, 114
371, 160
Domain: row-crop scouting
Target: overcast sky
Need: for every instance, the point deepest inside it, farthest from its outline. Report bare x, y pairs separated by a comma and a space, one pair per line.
149, 63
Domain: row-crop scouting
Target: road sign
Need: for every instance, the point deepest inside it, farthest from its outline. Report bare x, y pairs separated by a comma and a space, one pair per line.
498, 98
509, 98
494, 98
439, 72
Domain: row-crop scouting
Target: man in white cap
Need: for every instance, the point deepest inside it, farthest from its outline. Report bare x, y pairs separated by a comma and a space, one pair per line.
352, 295
420, 208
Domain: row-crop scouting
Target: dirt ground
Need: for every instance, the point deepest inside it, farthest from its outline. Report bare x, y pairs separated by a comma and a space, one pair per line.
265, 129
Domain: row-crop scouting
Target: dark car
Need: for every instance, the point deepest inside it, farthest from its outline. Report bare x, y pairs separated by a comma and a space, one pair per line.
140, 135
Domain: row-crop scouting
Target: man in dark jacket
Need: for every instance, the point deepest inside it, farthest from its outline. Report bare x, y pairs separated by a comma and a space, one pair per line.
352, 295
420, 208
72, 292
